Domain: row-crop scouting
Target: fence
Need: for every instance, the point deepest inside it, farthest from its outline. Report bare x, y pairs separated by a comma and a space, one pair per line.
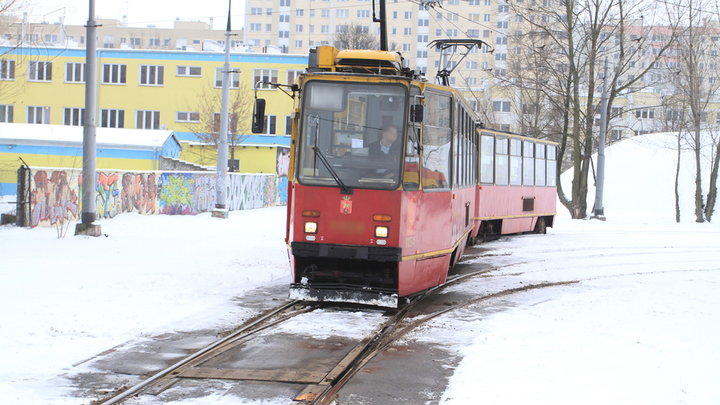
55, 193
8, 189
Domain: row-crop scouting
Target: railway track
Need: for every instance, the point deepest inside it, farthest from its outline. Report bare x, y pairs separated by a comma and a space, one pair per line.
320, 386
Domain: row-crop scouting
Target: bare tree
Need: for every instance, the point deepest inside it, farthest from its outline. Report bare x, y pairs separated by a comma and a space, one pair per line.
696, 85
204, 118
568, 41
354, 36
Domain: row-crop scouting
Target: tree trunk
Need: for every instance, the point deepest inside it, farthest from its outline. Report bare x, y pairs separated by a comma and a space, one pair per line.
712, 194
677, 181
698, 176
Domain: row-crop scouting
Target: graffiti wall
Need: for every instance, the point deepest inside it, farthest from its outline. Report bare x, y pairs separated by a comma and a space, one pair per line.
55, 193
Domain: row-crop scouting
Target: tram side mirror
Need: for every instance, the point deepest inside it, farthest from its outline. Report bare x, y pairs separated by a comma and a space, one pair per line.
416, 113
258, 121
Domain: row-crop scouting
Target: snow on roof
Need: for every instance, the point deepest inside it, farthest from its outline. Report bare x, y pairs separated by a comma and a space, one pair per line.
65, 135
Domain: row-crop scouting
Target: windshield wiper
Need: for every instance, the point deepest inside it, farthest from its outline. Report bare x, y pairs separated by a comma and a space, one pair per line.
343, 188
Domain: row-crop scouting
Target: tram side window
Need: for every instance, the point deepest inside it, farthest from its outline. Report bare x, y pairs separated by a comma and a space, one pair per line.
437, 136
528, 164
551, 165
487, 159
501, 161
515, 162
539, 164
411, 168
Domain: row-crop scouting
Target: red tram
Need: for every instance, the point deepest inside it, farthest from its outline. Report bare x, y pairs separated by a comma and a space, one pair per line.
391, 177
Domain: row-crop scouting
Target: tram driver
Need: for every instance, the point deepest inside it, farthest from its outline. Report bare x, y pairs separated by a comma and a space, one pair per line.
387, 148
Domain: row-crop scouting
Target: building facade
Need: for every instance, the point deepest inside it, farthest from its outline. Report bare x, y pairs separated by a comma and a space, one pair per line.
152, 89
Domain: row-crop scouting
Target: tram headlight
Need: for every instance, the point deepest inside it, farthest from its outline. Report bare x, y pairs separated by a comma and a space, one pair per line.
310, 227
381, 231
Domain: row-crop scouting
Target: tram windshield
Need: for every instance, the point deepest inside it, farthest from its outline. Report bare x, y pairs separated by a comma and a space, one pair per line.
352, 134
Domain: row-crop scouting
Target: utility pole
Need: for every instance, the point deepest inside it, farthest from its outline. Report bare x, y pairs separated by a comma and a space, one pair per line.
87, 226
599, 210
221, 210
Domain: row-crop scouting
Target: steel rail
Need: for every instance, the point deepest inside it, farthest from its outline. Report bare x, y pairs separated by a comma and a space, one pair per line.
145, 384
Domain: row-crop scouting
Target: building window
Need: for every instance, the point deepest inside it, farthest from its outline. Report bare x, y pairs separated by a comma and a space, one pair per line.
324, 29
40, 71
298, 28
255, 27
645, 113
187, 116
406, 47
7, 69
503, 8
112, 118
38, 115
299, 12
269, 125
408, 15
408, 31
473, 33
363, 13
298, 43
284, 3
288, 125
501, 106
136, 42
284, 18
6, 113
342, 13
502, 24
256, 11
268, 28
325, 13
234, 78
422, 38
74, 73
114, 74
266, 75
192, 71
154, 42
147, 119
292, 75
74, 116
486, 17
151, 75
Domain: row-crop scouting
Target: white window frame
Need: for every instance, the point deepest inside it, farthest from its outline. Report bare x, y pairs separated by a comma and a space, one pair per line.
7, 112
33, 117
288, 125
39, 71
114, 69
269, 130
234, 78
7, 69
74, 116
262, 74
113, 118
187, 71
187, 116
148, 71
71, 70
142, 116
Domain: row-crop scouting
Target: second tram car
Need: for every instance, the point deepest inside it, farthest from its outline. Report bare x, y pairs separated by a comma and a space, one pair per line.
392, 177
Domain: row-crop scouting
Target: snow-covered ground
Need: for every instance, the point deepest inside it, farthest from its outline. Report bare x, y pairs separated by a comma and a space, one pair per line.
641, 326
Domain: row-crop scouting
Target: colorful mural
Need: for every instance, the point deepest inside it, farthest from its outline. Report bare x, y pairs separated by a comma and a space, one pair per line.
54, 193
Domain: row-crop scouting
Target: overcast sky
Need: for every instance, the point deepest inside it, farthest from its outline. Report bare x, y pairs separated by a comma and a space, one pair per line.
139, 13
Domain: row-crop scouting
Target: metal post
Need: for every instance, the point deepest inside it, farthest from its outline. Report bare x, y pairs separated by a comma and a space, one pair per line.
220, 210
383, 27
600, 181
89, 136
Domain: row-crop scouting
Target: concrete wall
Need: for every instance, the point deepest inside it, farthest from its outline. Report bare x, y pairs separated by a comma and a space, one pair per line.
55, 193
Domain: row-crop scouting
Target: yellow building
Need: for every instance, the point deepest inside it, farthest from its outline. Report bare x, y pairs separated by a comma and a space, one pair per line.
153, 89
